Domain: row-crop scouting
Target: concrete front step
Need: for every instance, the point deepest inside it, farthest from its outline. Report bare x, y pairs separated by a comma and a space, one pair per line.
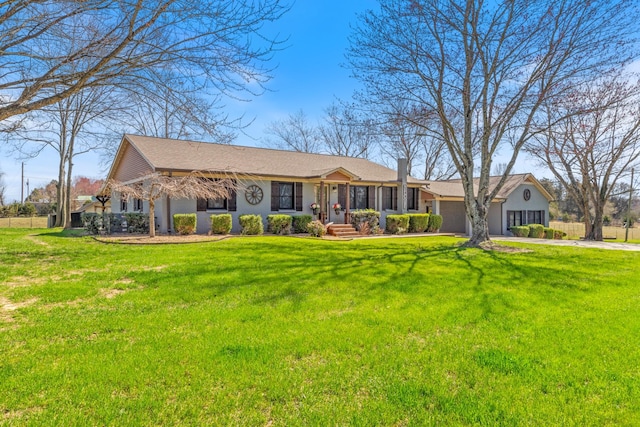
342, 230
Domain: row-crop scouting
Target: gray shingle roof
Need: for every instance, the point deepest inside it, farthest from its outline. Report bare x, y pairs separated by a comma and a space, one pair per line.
179, 155
453, 187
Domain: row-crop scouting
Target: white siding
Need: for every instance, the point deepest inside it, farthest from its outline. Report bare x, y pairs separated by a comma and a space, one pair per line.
516, 202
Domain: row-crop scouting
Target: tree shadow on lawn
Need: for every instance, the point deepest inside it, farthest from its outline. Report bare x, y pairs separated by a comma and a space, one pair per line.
510, 280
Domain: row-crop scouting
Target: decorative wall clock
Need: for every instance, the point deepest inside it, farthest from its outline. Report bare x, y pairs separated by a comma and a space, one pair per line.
526, 194
253, 194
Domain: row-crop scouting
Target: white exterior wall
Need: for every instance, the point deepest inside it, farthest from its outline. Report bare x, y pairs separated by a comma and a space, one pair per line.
516, 202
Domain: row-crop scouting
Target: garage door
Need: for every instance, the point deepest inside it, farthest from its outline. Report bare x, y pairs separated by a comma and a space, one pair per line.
453, 217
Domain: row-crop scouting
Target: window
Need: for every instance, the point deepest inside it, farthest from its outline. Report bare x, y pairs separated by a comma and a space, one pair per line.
286, 196
390, 198
137, 205
535, 217
514, 219
123, 204
359, 197
218, 203
412, 199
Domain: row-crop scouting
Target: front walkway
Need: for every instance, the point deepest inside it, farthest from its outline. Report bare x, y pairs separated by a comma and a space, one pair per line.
574, 243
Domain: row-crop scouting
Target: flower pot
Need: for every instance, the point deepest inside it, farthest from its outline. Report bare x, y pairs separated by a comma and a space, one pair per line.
337, 211
316, 211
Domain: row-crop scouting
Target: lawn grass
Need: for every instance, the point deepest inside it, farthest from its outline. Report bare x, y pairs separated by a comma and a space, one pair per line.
291, 331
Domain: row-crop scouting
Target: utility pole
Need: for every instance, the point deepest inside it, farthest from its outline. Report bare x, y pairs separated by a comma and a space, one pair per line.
626, 232
22, 186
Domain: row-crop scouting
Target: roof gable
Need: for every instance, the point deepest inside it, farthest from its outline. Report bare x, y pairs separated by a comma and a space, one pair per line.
453, 188
129, 163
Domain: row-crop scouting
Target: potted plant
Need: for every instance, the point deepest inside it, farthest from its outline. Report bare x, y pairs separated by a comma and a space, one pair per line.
337, 207
315, 208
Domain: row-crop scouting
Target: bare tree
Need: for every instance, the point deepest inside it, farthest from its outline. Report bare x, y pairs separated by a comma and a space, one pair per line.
487, 68
176, 111
155, 186
218, 45
294, 133
346, 132
73, 126
592, 140
406, 134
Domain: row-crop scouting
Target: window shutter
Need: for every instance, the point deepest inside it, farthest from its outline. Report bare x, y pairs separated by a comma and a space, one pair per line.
201, 205
371, 203
275, 196
232, 202
342, 195
298, 194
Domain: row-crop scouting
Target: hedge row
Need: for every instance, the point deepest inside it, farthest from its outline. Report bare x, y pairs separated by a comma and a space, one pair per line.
131, 222
537, 231
413, 223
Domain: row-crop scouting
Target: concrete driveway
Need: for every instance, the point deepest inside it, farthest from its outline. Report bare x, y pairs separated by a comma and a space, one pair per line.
574, 243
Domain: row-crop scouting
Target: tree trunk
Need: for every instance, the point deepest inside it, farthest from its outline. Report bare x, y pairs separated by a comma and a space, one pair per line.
479, 225
588, 225
60, 215
152, 219
67, 213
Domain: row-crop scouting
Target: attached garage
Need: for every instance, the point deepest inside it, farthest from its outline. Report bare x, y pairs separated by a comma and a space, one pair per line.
453, 217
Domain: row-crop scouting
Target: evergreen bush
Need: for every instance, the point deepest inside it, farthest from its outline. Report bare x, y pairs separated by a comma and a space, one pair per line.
368, 216
221, 224
397, 224
299, 223
184, 223
418, 223
536, 231
435, 222
251, 224
520, 231
279, 223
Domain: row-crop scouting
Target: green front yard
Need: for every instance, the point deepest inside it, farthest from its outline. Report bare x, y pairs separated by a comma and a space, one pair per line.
294, 331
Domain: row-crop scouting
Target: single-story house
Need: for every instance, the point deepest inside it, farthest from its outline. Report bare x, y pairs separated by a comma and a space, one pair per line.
278, 181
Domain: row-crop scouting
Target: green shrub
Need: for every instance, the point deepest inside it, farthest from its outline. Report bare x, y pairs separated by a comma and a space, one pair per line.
536, 231
566, 217
279, 223
368, 216
606, 220
137, 222
548, 233
184, 223
114, 223
418, 223
27, 209
92, 222
397, 224
299, 223
221, 224
251, 224
435, 222
559, 234
520, 231
316, 228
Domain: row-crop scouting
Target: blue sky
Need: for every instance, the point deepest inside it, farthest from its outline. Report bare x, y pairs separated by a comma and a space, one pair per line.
309, 76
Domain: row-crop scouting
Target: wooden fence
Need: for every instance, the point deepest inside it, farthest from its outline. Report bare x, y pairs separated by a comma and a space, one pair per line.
22, 222
576, 230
